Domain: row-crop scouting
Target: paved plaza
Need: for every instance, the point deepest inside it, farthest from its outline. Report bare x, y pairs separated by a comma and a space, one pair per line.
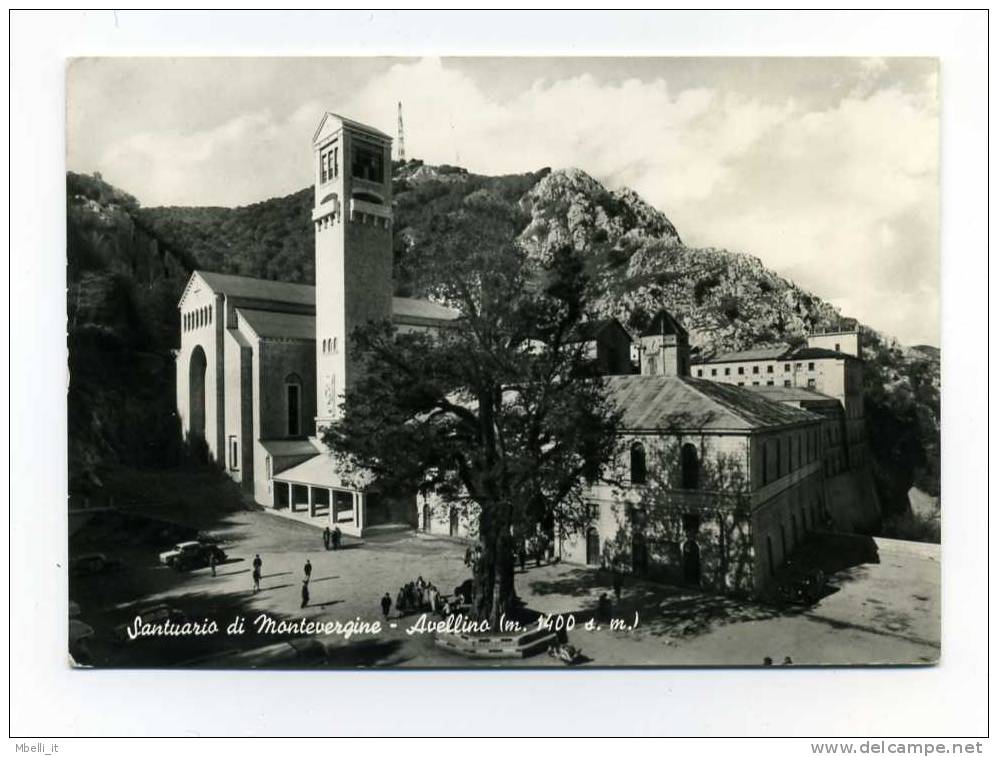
878, 612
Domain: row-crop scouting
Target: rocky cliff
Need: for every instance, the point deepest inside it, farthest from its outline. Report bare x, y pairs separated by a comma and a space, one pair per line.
127, 266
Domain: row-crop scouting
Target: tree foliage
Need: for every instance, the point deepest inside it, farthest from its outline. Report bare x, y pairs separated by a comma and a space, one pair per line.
501, 410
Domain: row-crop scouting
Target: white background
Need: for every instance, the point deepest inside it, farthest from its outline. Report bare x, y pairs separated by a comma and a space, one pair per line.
48, 700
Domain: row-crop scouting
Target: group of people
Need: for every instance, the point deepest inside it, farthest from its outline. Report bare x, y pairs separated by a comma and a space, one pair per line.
417, 596
331, 538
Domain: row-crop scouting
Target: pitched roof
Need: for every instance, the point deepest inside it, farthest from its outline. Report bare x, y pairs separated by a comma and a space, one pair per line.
348, 122
817, 353
259, 289
288, 447
662, 324
791, 394
268, 324
776, 352
247, 287
673, 403
408, 307
587, 331
321, 470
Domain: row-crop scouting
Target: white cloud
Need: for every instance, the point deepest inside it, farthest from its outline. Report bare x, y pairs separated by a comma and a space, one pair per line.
839, 193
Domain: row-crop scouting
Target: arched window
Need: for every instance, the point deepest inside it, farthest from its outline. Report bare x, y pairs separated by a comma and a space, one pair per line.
639, 466
690, 467
292, 393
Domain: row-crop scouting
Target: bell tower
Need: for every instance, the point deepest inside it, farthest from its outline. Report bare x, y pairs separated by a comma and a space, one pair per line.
665, 347
353, 248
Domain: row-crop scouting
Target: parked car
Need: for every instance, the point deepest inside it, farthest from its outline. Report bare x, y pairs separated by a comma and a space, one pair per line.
88, 565
189, 555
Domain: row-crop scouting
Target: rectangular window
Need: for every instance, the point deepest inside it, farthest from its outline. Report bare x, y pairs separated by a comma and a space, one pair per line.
769, 383
810, 366
368, 164
713, 371
811, 383
741, 383
786, 367
838, 347
727, 371
741, 371
769, 369
755, 383
755, 369
233, 453
786, 382
270, 470
699, 371
294, 410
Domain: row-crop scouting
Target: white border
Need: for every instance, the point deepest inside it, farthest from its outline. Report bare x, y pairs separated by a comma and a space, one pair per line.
49, 699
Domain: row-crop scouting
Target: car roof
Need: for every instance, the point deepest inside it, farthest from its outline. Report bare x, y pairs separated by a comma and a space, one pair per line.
188, 543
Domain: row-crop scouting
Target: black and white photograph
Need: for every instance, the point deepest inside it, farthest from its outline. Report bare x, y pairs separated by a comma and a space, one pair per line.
411, 363
443, 373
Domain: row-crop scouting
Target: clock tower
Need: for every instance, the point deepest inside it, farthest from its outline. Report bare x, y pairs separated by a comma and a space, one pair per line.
353, 249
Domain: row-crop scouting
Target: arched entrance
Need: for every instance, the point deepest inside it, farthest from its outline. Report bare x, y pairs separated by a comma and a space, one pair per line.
592, 547
196, 395
453, 521
691, 562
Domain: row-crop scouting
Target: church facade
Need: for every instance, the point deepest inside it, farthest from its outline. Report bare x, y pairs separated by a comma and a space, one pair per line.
262, 365
717, 482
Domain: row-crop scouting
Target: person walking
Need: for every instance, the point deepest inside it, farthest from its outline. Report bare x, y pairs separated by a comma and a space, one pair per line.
308, 570
386, 605
304, 593
212, 561
257, 573
337, 535
327, 538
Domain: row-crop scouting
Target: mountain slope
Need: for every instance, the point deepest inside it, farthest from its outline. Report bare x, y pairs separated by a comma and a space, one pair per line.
727, 300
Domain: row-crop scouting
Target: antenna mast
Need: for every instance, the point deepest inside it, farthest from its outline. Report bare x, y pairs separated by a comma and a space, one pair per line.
401, 136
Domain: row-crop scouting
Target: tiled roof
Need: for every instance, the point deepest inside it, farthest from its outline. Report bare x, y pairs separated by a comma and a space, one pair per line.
259, 289
776, 352
659, 403
268, 324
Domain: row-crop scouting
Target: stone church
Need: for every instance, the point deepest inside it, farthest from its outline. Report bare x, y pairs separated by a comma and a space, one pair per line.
718, 482
262, 363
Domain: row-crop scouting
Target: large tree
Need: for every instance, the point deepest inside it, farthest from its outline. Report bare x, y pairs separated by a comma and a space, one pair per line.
501, 412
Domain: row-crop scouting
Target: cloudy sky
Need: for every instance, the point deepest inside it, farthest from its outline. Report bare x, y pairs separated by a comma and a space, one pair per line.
826, 169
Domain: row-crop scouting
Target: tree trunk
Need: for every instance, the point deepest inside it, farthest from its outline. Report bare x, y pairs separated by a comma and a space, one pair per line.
493, 577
